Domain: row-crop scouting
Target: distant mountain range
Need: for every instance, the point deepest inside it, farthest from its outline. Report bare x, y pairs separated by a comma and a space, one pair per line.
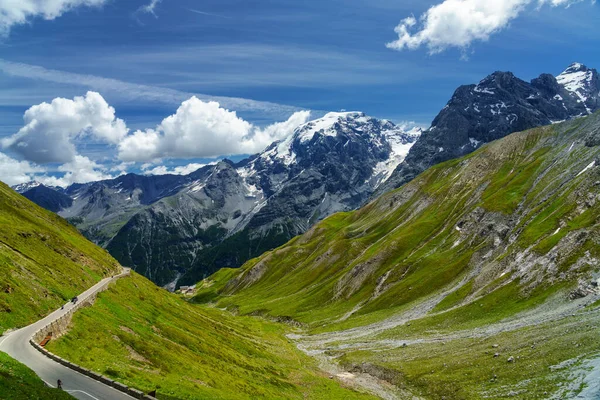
181, 228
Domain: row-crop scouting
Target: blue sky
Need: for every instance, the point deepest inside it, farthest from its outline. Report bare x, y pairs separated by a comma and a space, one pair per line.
274, 57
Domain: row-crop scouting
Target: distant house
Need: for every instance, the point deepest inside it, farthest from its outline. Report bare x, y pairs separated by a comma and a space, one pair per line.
187, 289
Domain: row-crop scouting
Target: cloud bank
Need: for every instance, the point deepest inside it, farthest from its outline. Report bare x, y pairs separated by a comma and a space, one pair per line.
204, 130
13, 172
54, 132
458, 23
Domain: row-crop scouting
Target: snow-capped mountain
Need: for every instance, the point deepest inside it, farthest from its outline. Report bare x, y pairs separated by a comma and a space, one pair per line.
223, 214
583, 84
497, 106
23, 187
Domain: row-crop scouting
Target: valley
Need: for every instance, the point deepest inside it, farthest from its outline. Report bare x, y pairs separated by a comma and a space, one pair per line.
476, 279
314, 200
135, 332
178, 229
437, 295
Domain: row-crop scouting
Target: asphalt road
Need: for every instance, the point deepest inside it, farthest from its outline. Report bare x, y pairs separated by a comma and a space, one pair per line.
16, 344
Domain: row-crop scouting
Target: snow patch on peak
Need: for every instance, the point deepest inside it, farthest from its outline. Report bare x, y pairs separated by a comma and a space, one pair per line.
23, 187
280, 151
480, 89
400, 141
577, 79
325, 124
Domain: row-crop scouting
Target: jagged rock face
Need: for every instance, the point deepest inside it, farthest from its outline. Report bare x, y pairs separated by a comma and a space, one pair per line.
224, 214
100, 209
329, 165
499, 105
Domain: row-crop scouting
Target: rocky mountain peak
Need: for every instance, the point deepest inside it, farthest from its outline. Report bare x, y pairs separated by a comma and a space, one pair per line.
498, 105
330, 124
583, 84
498, 79
23, 187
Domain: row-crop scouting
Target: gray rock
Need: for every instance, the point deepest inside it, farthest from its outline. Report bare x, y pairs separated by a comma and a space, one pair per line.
496, 107
186, 227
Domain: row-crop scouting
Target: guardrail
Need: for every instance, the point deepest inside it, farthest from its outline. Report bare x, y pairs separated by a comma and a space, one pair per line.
77, 368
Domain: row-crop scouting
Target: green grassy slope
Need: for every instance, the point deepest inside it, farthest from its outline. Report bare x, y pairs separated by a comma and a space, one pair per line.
43, 261
479, 222
499, 247
17, 382
147, 338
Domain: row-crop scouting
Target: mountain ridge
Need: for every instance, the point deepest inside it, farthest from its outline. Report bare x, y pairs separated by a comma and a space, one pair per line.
498, 105
270, 197
165, 226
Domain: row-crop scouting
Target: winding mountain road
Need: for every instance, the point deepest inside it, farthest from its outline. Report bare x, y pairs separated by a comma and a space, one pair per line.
16, 344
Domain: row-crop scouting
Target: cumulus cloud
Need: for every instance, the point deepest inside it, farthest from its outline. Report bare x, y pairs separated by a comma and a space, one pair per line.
277, 131
51, 128
458, 23
14, 172
52, 132
17, 12
80, 170
203, 130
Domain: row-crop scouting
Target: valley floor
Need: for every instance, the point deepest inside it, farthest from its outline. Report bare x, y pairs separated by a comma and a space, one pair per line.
553, 352
147, 338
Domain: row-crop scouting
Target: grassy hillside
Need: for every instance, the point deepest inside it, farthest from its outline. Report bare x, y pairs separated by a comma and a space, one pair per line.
17, 382
494, 245
147, 338
514, 211
43, 261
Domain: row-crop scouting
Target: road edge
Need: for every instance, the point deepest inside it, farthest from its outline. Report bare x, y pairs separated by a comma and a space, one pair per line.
77, 368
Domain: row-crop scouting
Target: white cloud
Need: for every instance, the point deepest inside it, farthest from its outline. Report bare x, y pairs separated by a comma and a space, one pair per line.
277, 131
80, 170
17, 12
50, 129
458, 23
14, 172
150, 7
203, 130
52, 132
121, 168
180, 170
